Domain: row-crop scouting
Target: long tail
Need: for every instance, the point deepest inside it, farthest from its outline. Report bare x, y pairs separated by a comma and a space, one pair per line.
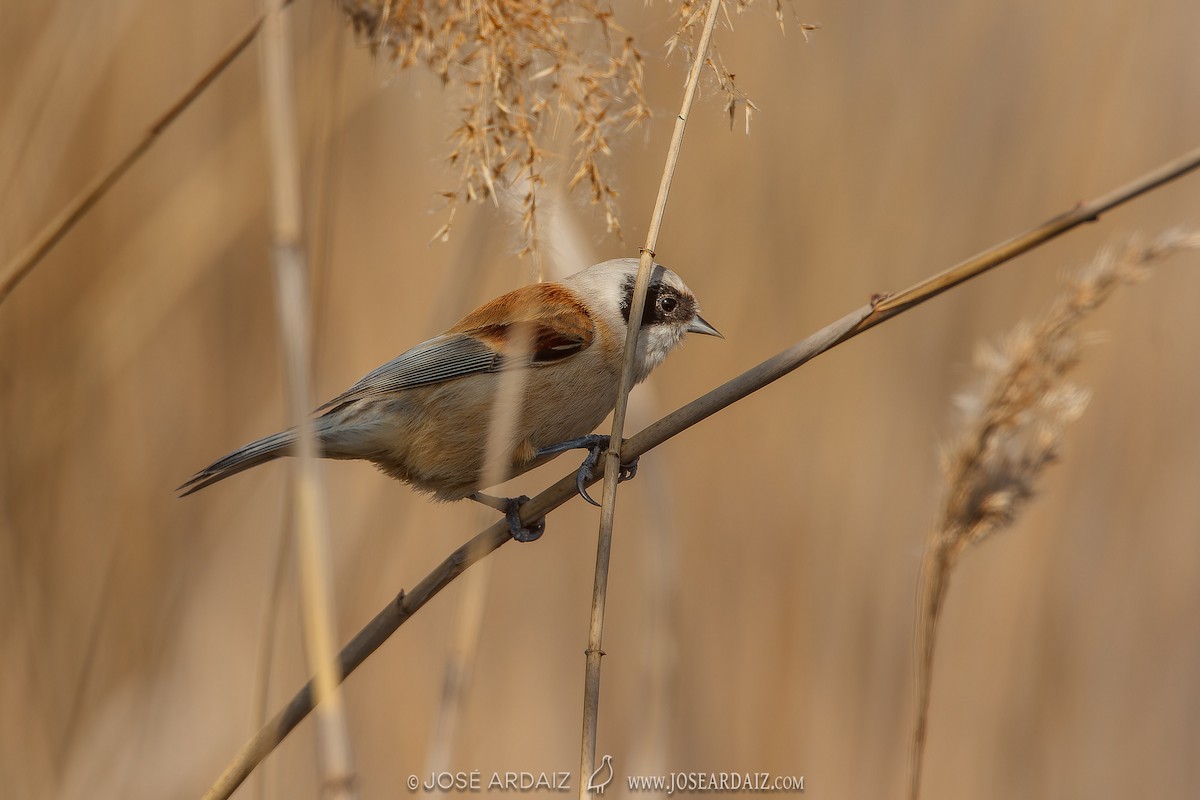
266, 449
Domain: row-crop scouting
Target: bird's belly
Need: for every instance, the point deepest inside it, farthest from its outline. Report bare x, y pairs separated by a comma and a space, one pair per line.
436, 437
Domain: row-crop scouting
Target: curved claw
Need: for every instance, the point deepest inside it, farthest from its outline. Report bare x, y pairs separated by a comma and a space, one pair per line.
628, 471
511, 507
585, 474
512, 514
531, 533
595, 444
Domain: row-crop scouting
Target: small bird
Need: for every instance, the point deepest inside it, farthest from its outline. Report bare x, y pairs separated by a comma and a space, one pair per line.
423, 417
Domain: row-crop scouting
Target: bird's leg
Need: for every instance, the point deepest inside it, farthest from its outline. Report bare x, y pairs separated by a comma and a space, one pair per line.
595, 444
511, 506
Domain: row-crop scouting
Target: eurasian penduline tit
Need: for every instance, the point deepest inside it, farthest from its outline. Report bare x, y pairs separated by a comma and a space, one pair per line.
423, 417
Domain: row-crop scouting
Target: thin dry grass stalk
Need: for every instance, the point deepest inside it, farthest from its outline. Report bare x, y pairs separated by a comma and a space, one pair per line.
1015, 419
518, 64
613, 461
291, 289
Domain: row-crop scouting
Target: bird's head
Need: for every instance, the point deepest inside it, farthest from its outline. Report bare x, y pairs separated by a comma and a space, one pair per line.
671, 310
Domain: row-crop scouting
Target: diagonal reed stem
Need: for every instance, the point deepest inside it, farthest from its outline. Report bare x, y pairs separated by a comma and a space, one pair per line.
397, 612
27, 260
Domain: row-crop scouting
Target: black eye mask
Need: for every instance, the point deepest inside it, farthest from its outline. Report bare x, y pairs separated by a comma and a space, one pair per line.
664, 304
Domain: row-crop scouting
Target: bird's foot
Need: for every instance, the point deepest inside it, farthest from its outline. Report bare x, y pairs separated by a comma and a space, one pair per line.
511, 506
595, 444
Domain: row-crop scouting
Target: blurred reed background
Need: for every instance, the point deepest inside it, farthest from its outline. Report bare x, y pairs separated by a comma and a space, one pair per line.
765, 563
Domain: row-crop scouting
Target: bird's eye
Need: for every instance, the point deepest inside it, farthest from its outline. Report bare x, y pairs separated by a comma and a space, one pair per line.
667, 304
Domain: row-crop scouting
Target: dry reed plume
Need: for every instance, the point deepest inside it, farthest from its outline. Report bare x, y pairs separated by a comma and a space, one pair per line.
1014, 426
518, 63
521, 64
690, 15
516, 60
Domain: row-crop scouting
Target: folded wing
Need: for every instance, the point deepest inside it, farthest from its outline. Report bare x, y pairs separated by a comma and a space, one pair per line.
545, 318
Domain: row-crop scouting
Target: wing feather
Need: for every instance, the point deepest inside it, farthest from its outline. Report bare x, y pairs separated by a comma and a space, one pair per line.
439, 359
548, 316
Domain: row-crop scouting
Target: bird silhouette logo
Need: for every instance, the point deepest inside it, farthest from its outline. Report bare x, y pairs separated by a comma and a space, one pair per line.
602, 777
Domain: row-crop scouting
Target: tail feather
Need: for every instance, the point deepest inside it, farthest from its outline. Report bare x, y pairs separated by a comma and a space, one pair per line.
266, 449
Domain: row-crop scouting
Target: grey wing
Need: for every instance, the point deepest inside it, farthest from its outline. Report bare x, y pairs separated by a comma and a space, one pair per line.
434, 361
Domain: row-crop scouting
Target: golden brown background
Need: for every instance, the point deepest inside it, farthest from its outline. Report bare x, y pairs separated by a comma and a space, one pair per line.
761, 596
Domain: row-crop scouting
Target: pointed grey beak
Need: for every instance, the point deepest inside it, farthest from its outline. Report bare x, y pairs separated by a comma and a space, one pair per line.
699, 325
